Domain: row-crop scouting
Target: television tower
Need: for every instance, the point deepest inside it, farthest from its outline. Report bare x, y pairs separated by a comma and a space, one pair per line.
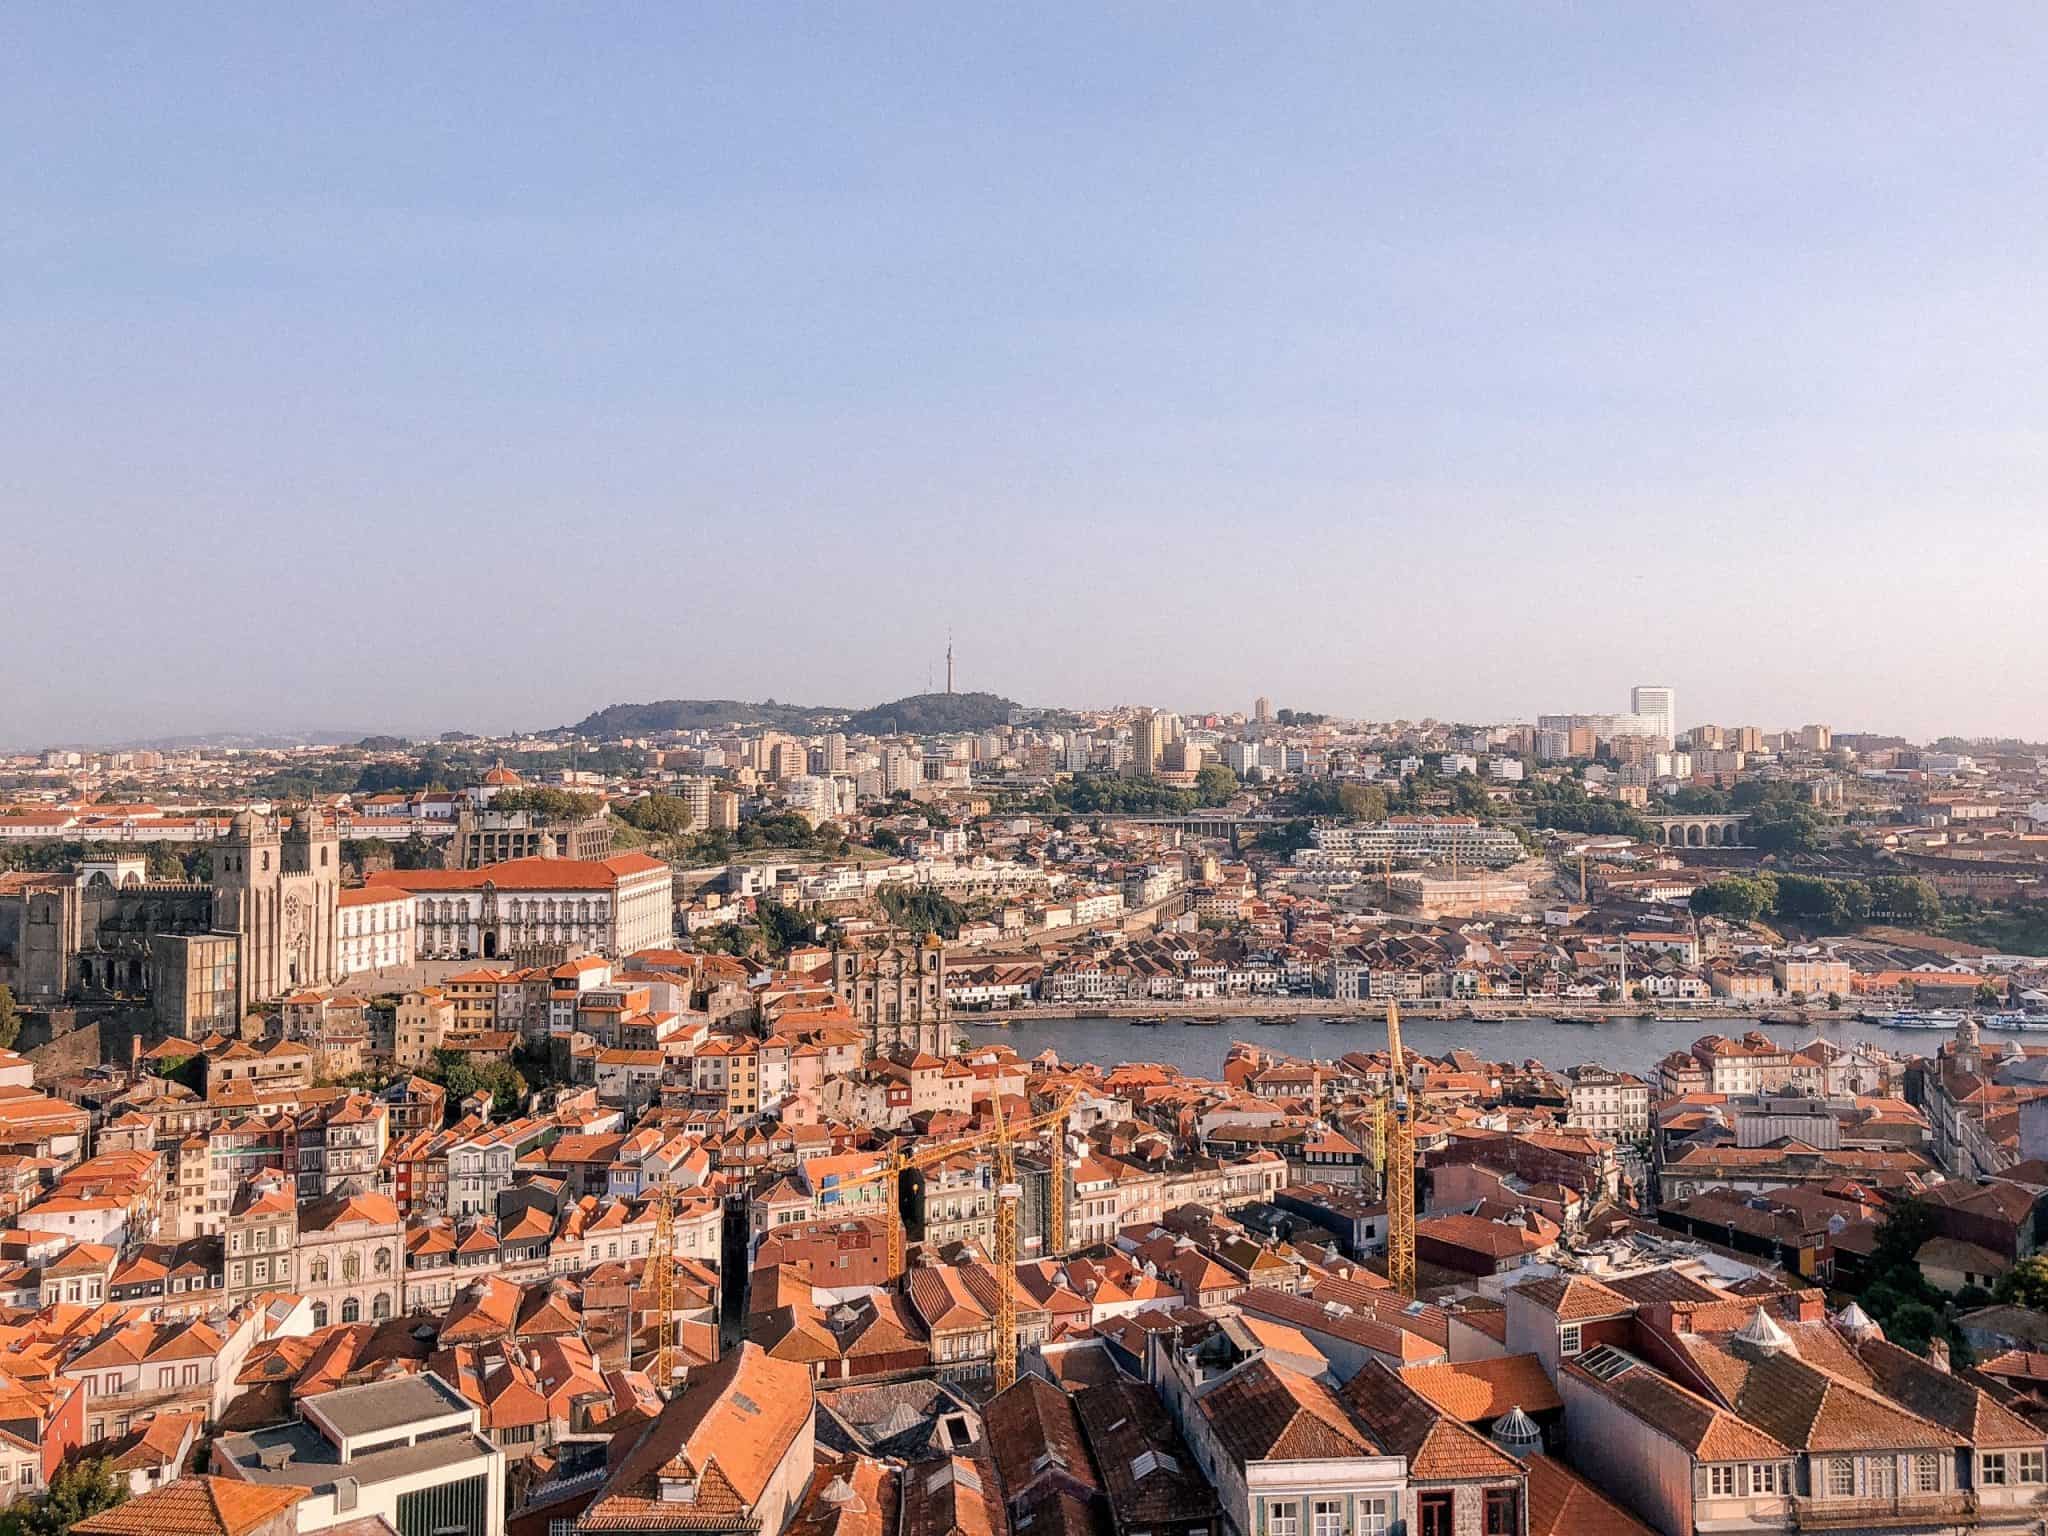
949, 661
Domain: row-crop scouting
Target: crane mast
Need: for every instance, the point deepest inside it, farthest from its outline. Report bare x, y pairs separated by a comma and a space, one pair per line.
1400, 1178
661, 1258
1008, 1194
998, 1145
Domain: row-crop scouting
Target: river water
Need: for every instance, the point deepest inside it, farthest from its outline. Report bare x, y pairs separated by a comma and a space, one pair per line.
1631, 1045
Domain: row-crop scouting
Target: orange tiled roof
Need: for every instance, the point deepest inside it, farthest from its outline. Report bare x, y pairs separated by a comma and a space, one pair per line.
1475, 1390
193, 1506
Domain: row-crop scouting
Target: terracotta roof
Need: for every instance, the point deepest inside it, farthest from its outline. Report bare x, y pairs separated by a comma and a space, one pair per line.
1030, 1421
1477, 1390
1810, 1410
1263, 1411
727, 1431
1125, 1421
1561, 1503
194, 1506
1709, 1432
1575, 1298
952, 1496
1948, 1400
1437, 1446
522, 875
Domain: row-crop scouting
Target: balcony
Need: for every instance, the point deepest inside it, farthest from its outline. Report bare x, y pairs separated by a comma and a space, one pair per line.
1905, 1509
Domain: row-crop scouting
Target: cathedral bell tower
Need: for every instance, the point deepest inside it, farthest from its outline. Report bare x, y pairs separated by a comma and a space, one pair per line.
248, 873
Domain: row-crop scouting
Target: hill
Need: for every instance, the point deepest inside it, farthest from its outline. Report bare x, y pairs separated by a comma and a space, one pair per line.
924, 713
700, 715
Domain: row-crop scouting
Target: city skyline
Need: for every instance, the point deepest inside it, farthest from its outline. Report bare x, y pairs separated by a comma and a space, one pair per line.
1601, 704
1427, 363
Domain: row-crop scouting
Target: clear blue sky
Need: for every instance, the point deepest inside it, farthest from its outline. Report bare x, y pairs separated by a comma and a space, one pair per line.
421, 367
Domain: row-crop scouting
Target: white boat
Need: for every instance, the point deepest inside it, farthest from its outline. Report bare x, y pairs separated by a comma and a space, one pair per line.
2017, 1023
1917, 1018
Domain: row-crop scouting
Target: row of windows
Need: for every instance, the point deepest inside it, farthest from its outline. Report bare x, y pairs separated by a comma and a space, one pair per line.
2000, 1468
518, 911
1436, 1515
352, 1310
1755, 1479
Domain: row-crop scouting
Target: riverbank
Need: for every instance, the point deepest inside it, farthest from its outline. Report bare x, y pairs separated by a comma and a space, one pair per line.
1197, 1043
1496, 1010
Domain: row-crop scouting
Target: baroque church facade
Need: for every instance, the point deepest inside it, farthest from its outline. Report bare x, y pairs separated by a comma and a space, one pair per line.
897, 996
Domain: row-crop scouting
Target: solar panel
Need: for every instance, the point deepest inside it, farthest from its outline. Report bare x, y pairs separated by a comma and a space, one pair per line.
745, 1403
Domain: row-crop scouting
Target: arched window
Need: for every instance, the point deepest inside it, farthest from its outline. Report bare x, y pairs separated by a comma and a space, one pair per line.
383, 1261
351, 1311
319, 1314
351, 1268
317, 1275
381, 1307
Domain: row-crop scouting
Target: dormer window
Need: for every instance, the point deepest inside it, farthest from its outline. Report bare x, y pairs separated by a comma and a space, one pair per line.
675, 1490
1569, 1339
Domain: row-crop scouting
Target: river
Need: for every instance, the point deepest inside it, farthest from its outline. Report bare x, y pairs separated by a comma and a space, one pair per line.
1632, 1045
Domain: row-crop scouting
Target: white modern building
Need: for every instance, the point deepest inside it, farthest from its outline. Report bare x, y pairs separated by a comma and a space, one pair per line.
409, 1450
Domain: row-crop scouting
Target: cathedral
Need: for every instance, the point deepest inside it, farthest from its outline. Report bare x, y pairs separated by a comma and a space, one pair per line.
204, 955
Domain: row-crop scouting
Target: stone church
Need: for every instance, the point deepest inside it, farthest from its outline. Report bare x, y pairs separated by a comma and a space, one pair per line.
897, 996
203, 955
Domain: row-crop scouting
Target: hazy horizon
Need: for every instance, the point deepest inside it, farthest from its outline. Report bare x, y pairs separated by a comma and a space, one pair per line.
476, 368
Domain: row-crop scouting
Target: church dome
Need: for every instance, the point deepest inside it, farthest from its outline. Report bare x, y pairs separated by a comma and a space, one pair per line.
501, 777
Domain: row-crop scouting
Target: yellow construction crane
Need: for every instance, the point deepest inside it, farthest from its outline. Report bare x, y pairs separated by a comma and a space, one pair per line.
1008, 1193
894, 1164
1397, 1141
661, 1258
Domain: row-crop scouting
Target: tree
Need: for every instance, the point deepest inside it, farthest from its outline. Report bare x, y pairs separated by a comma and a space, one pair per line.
1904, 899
2025, 1284
1739, 898
415, 853
661, 815
1214, 785
79, 1489
1287, 837
10, 1019
1366, 802
463, 1073
545, 800
923, 910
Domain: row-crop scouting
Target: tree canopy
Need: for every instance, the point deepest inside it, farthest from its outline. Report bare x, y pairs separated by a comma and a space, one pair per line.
923, 910
661, 815
546, 800
1820, 901
79, 1489
1567, 807
463, 1073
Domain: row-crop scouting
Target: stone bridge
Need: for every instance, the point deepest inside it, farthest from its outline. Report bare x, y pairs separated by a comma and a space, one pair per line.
1701, 831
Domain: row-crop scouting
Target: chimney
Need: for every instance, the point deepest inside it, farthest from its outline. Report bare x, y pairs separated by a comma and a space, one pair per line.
1937, 1354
